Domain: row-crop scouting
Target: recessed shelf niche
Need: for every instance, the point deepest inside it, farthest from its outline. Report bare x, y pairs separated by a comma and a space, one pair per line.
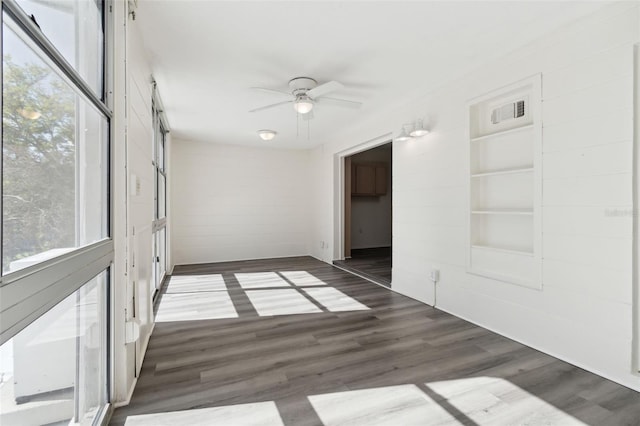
505, 185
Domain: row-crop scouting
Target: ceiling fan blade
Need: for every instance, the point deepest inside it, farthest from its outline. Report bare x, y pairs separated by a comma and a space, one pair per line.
270, 106
279, 92
339, 102
325, 88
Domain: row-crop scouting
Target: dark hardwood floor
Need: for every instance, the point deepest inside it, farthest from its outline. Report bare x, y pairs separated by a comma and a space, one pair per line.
298, 342
374, 264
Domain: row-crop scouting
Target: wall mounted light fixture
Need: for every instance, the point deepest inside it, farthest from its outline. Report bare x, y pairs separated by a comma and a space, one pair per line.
417, 129
403, 136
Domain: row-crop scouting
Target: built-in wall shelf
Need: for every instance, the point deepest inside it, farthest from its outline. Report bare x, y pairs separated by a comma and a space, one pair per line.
504, 211
505, 185
505, 278
504, 172
503, 132
503, 250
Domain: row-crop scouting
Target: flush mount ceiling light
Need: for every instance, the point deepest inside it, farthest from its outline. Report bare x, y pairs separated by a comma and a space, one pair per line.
418, 129
303, 104
267, 135
403, 136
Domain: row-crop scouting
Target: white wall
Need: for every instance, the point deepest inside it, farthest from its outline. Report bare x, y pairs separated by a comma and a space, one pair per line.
133, 213
371, 216
233, 203
584, 313
140, 206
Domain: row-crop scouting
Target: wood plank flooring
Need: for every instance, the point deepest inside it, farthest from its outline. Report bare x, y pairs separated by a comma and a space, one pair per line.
374, 264
304, 343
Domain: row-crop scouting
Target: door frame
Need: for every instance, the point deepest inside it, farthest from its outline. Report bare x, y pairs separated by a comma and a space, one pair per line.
339, 202
636, 219
348, 176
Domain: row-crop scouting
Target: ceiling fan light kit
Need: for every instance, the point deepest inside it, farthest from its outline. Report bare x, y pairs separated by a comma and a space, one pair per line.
303, 104
266, 134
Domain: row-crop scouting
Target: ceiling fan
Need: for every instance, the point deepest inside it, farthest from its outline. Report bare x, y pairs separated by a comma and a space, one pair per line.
305, 93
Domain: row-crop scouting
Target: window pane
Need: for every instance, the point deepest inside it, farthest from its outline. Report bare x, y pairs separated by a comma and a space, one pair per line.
162, 253
75, 29
154, 269
161, 149
54, 370
161, 196
54, 157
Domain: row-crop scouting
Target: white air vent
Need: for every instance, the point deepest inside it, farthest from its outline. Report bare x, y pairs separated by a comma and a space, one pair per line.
508, 112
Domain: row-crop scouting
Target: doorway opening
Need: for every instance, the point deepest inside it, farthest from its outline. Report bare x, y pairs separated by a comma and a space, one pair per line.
368, 214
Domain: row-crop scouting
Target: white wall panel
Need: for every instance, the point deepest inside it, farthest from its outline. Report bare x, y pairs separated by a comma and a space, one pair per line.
587, 221
603, 190
233, 203
588, 102
583, 312
613, 125
597, 160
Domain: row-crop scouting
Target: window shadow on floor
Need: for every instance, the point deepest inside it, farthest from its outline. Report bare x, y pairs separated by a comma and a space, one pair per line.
396, 356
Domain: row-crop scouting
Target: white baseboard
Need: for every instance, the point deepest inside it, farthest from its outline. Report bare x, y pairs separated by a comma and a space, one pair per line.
633, 386
129, 395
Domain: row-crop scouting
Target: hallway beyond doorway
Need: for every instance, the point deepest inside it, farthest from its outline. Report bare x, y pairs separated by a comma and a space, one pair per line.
372, 263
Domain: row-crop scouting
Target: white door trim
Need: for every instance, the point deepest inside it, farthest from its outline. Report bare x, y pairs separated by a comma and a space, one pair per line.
338, 188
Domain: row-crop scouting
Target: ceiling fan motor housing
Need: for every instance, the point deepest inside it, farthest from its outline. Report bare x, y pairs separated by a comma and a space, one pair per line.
300, 85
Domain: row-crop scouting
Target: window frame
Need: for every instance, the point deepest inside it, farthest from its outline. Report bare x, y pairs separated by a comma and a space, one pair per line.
160, 131
28, 293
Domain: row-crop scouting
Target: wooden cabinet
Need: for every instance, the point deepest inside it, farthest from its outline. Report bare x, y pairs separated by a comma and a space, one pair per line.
369, 179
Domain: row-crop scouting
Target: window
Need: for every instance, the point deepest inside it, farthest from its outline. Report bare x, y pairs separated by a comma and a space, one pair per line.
56, 367
75, 28
54, 160
56, 247
160, 219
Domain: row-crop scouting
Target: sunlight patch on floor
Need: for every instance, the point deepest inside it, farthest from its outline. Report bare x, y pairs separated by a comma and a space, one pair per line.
195, 283
271, 299
392, 405
260, 280
492, 400
195, 306
203, 297
334, 300
280, 302
302, 278
256, 414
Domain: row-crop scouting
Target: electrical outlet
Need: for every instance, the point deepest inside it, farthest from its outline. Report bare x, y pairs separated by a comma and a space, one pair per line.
435, 275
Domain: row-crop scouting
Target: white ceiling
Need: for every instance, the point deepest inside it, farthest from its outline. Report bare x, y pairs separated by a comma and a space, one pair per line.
207, 54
